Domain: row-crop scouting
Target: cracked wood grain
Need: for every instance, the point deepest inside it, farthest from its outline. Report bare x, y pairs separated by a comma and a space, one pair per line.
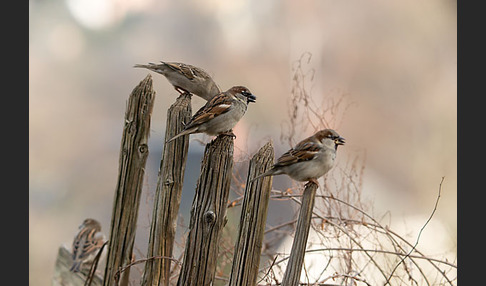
208, 214
133, 157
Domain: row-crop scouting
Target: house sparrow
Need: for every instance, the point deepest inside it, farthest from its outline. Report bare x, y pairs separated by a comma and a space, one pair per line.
86, 243
220, 114
310, 159
186, 78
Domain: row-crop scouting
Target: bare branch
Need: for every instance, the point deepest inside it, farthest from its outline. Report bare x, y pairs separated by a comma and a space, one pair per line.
420, 233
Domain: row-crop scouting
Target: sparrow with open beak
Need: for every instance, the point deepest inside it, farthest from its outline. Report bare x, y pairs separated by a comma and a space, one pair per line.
220, 114
186, 78
86, 243
310, 159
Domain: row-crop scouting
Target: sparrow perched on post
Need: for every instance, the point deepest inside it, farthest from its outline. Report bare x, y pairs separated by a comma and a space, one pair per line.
86, 243
310, 159
186, 78
220, 114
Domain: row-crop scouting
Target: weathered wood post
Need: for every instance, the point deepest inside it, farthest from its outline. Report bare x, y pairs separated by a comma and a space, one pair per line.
208, 214
133, 156
294, 266
168, 194
248, 245
64, 277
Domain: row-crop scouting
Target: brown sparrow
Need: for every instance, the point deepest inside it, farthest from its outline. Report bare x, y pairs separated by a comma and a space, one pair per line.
310, 159
186, 78
86, 243
220, 114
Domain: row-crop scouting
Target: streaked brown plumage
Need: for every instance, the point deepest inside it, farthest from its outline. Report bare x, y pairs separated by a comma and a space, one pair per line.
86, 243
186, 78
220, 114
310, 159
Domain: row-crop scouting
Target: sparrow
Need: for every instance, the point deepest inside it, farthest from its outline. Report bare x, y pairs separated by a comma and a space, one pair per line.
186, 78
86, 243
310, 159
220, 114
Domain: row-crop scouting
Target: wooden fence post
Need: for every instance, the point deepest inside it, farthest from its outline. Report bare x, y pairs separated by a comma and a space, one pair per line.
168, 194
208, 214
133, 156
294, 266
64, 277
252, 221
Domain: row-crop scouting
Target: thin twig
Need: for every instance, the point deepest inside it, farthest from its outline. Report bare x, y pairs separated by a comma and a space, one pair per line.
419, 234
269, 268
387, 231
92, 270
122, 269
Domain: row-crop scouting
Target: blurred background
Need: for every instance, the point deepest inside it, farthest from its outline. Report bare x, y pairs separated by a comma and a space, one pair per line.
393, 61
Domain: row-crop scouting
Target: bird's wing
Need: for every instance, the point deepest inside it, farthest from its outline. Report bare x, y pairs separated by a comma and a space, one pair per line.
86, 244
218, 105
304, 151
186, 70
78, 242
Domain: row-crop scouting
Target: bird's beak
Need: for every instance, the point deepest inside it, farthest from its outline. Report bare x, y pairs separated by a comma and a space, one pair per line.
251, 98
339, 141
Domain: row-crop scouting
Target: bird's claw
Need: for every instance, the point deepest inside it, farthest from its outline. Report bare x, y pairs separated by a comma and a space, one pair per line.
229, 133
312, 181
181, 90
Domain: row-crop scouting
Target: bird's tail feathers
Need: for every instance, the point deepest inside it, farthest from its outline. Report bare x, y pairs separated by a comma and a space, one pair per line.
184, 132
142, 66
150, 66
76, 267
270, 172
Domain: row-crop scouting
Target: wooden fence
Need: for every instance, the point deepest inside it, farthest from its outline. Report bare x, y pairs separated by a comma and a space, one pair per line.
208, 213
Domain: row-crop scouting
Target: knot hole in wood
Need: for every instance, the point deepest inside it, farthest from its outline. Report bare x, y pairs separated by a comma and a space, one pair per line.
142, 148
209, 218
